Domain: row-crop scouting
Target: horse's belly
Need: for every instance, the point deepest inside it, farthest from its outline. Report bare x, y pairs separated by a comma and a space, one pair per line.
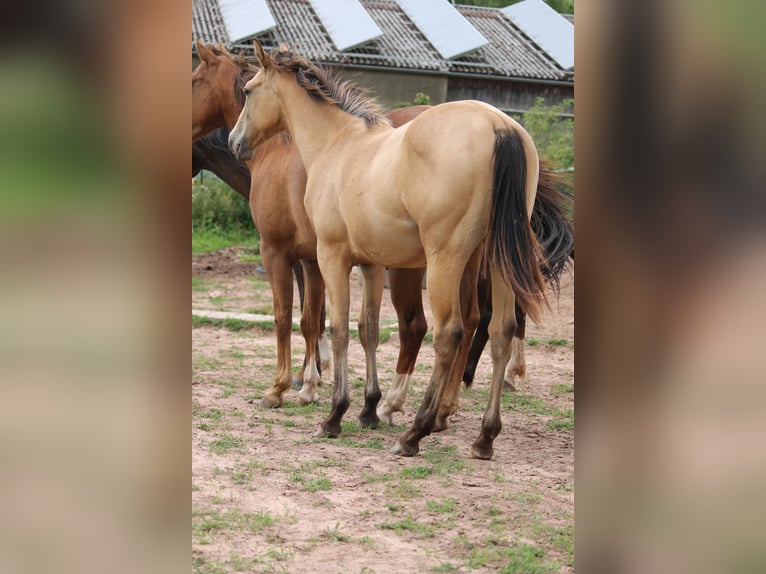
388, 243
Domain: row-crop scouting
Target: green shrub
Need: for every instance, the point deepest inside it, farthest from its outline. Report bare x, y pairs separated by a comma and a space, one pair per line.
553, 134
216, 206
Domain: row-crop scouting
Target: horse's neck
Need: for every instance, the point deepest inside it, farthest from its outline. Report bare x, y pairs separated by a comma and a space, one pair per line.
311, 123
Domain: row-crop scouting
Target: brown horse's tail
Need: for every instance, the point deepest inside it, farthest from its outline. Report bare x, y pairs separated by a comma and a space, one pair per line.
552, 224
512, 247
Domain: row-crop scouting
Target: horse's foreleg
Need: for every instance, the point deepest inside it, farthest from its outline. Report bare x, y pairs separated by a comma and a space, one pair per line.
517, 367
407, 298
336, 266
469, 310
374, 278
310, 319
501, 330
481, 336
281, 281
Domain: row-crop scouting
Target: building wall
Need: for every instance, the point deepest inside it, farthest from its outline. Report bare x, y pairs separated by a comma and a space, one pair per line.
394, 88
509, 96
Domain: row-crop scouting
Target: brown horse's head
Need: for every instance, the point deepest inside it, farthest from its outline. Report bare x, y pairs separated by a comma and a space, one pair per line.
213, 90
261, 116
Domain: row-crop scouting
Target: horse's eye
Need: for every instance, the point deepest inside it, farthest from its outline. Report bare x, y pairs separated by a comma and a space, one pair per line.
247, 93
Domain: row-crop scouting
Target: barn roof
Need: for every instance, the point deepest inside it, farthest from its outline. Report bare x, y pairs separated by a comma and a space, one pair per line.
509, 53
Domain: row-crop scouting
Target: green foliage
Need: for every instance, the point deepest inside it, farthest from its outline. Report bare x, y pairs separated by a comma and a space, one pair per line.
420, 99
553, 135
216, 206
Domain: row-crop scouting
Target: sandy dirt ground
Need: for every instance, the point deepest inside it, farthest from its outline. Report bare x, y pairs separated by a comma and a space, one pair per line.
268, 497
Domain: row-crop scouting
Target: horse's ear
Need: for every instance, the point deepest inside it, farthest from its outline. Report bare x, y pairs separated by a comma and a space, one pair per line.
261, 54
205, 53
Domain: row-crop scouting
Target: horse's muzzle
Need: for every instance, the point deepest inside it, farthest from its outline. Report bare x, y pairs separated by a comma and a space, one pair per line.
239, 148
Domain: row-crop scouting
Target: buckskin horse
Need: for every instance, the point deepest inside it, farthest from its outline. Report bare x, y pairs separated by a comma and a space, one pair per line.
452, 190
278, 182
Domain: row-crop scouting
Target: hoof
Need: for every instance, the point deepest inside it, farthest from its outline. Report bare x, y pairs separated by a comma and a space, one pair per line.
385, 417
327, 431
268, 403
369, 422
482, 453
297, 384
304, 400
400, 450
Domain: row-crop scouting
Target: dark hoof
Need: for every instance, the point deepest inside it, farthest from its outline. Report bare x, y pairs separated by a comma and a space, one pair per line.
402, 450
481, 451
327, 431
369, 421
297, 384
268, 403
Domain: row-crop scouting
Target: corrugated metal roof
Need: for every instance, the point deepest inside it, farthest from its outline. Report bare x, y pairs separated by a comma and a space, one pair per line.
509, 53
207, 23
347, 22
548, 28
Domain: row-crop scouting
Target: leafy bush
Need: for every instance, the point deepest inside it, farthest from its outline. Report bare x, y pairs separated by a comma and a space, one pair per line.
420, 99
553, 134
216, 206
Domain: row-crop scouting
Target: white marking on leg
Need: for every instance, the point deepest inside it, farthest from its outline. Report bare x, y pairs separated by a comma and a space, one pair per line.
394, 400
517, 366
324, 353
311, 378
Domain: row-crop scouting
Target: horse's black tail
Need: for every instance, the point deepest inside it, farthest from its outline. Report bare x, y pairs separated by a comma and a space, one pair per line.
552, 224
512, 247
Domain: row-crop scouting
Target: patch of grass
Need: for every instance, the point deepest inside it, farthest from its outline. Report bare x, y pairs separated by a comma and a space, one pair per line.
444, 506
213, 521
445, 567
375, 443
557, 342
262, 310
564, 420
299, 477
418, 529
199, 284
402, 489
416, 472
560, 537
562, 389
207, 240
202, 566
334, 535
226, 443
384, 334
214, 414
241, 476
526, 559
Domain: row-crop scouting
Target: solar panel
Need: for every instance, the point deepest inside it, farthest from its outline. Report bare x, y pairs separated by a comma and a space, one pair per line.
446, 28
347, 22
246, 18
549, 29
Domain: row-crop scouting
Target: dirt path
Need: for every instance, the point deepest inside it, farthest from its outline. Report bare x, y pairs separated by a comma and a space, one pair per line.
267, 497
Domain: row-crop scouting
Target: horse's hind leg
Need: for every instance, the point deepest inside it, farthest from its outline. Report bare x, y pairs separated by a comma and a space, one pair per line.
501, 331
280, 274
481, 336
517, 367
298, 272
469, 310
407, 297
310, 327
444, 276
374, 278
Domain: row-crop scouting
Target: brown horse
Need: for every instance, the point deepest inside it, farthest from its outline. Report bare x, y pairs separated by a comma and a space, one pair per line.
211, 152
450, 189
276, 202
